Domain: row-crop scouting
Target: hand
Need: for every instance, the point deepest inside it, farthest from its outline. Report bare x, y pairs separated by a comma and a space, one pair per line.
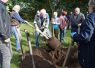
46, 26
73, 33
26, 21
44, 34
42, 27
79, 25
7, 40
37, 29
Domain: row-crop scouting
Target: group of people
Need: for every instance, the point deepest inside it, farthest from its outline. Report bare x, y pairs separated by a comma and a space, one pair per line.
42, 22
85, 38
82, 31
59, 22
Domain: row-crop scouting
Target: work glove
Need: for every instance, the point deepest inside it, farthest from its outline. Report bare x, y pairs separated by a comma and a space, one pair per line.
73, 33
79, 25
46, 26
26, 21
4, 39
42, 28
37, 29
7, 40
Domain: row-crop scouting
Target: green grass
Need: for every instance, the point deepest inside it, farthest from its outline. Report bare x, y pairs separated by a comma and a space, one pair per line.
15, 59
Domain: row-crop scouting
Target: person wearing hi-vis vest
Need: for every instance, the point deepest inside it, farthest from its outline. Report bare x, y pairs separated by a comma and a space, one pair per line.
41, 22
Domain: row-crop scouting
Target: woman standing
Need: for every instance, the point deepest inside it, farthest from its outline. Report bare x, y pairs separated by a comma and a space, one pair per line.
55, 23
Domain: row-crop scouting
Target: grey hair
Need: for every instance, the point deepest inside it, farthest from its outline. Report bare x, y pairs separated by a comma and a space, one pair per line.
16, 7
91, 3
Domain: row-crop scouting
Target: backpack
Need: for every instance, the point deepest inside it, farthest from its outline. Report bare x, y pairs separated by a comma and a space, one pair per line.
62, 22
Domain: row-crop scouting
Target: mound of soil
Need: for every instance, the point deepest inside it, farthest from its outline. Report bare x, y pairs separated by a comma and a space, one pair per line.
44, 58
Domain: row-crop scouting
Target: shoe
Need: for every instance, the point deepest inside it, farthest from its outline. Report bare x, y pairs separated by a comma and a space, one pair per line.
19, 51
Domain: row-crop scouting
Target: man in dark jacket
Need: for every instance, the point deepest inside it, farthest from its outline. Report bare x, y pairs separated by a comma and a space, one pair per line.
5, 49
86, 39
76, 19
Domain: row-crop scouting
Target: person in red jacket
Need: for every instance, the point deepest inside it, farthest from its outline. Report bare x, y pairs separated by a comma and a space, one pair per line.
62, 27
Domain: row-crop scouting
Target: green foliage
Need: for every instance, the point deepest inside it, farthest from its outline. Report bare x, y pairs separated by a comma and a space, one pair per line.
29, 7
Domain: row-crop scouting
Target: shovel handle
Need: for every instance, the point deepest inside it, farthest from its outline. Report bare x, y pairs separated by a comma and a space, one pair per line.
38, 31
79, 28
68, 52
30, 47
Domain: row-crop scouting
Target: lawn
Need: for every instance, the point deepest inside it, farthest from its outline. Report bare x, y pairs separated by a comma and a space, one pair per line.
15, 59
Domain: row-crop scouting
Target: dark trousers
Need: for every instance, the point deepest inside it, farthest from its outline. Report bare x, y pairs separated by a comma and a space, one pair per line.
61, 35
56, 33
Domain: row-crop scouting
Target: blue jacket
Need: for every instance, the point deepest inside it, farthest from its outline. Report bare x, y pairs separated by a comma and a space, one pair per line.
86, 40
4, 22
15, 15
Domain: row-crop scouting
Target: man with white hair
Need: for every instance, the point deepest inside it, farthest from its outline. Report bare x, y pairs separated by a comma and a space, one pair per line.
86, 39
76, 19
5, 47
41, 22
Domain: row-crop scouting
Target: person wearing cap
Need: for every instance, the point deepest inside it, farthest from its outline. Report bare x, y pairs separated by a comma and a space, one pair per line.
86, 39
41, 22
5, 46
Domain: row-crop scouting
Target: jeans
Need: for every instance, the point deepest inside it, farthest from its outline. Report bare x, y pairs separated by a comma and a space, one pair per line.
19, 33
37, 34
61, 35
5, 55
16, 35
